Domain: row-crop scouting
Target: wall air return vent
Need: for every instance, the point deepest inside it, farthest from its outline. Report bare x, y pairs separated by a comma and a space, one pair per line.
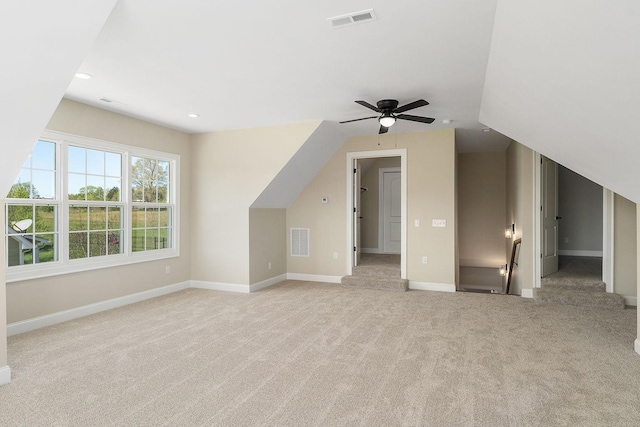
300, 242
353, 18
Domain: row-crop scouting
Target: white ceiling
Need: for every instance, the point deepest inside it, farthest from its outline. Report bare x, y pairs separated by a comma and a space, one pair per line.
260, 63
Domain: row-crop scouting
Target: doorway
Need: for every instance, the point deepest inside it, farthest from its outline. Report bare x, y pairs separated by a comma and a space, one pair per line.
367, 222
575, 225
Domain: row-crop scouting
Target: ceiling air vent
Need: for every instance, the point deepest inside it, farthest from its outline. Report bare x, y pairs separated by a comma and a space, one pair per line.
353, 18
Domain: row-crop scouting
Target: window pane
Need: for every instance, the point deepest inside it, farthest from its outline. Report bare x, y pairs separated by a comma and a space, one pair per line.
164, 238
47, 245
97, 243
78, 245
43, 156
137, 217
43, 185
152, 217
152, 239
76, 159
114, 218
114, 242
20, 218
165, 217
78, 218
22, 188
114, 164
137, 240
113, 189
95, 187
45, 219
95, 162
77, 186
97, 218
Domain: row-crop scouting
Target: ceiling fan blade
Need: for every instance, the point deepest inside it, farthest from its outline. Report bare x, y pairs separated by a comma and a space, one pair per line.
383, 129
357, 120
369, 106
415, 118
411, 106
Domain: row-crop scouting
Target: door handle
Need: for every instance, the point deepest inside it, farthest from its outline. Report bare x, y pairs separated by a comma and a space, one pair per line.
558, 217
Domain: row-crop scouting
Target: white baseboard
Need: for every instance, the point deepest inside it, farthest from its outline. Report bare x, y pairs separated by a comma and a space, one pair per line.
569, 252
314, 278
425, 286
86, 310
637, 345
370, 251
5, 375
266, 283
219, 286
631, 301
526, 293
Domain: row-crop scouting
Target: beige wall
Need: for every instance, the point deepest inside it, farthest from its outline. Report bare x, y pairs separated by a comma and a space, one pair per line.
32, 298
267, 243
637, 344
482, 208
370, 200
229, 171
520, 211
625, 247
431, 193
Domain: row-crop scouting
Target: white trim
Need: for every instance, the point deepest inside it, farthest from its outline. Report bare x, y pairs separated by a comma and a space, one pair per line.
86, 310
314, 278
5, 375
537, 220
266, 283
637, 345
219, 286
426, 286
608, 236
371, 251
571, 252
526, 293
632, 301
351, 157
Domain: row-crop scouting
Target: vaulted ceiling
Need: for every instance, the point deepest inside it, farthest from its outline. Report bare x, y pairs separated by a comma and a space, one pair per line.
559, 78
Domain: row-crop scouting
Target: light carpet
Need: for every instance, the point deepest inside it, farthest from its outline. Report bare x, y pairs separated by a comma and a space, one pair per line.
313, 354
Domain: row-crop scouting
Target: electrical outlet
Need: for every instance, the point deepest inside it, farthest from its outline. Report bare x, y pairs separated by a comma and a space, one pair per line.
269, 266
335, 255
417, 223
424, 259
566, 240
167, 269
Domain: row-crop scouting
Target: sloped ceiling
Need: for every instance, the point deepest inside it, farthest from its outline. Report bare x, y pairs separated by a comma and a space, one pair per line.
43, 44
564, 79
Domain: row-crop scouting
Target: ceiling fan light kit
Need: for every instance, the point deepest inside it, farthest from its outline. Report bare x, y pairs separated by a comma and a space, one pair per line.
390, 112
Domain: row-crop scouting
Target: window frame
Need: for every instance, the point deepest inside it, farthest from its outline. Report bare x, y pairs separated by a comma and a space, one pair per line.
64, 265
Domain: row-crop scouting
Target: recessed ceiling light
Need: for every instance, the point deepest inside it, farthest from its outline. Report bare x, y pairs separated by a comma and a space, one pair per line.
446, 122
84, 76
193, 115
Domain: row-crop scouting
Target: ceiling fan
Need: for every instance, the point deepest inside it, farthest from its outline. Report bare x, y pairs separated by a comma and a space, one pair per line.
390, 112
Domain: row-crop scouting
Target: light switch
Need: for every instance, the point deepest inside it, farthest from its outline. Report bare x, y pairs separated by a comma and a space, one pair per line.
417, 223
439, 223
325, 200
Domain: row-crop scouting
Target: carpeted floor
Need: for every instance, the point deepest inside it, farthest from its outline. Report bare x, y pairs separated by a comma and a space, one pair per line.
312, 354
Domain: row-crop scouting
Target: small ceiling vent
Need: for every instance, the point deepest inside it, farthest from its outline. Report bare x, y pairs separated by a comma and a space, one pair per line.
353, 18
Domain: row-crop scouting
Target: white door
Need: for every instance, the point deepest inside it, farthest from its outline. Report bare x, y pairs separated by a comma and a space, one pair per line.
357, 184
549, 216
392, 212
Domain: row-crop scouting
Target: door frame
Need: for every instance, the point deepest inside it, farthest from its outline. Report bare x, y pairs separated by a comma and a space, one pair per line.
351, 156
381, 173
607, 235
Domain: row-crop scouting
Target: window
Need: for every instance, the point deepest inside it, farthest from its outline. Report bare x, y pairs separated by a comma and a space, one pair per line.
68, 211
